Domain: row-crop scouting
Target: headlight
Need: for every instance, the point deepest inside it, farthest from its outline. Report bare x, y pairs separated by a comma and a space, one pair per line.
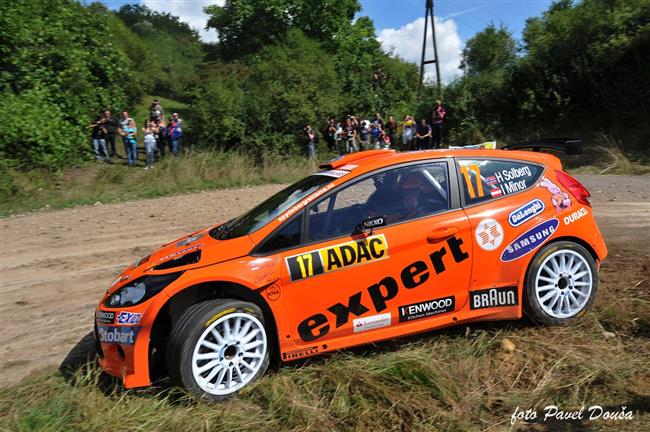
140, 290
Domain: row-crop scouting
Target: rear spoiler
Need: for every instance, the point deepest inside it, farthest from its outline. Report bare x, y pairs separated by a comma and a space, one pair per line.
569, 146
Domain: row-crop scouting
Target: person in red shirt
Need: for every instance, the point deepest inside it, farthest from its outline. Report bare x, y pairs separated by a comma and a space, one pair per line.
438, 119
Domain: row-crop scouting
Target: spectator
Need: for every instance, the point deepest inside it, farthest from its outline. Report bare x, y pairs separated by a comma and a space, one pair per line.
364, 133
149, 130
439, 114
130, 143
378, 120
110, 124
124, 123
408, 126
384, 139
99, 139
161, 137
340, 138
350, 136
310, 141
375, 132
175, 131
155, 110
423, 135
391, 129
330, 133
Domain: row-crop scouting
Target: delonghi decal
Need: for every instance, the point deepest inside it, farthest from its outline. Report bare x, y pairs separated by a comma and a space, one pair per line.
526, 212
336, 257
578, 214
128, 318
426, 309
386, 288
371, 322
105, 317
118, 335
488, 234
529, 241
493, 297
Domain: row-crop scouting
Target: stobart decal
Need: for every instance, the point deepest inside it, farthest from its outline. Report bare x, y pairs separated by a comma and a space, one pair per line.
331, 258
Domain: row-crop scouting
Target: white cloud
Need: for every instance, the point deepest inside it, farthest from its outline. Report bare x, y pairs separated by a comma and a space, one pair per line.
406, 43
189, 11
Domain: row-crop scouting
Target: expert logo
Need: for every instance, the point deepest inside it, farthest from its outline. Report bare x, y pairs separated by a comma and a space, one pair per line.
526, 212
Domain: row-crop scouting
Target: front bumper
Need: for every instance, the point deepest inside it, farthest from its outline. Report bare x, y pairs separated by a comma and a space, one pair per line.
123, 349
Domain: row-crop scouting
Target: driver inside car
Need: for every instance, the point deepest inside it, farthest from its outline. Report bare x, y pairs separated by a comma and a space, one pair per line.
411, 189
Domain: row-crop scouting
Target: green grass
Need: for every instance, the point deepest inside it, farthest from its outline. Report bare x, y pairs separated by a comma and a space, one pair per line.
105, 183
459, 379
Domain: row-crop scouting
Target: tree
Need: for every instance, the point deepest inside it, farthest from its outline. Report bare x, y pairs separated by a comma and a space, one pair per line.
489, 50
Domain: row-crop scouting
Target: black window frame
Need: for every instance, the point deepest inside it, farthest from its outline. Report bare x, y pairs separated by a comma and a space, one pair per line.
455, 203
461, 191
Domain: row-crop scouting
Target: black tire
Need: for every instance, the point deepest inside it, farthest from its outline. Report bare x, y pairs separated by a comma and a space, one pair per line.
83, 355
187, 332
532, 304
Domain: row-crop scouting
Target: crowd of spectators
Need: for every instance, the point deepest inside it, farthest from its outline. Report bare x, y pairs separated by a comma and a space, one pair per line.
351, 134
159, 135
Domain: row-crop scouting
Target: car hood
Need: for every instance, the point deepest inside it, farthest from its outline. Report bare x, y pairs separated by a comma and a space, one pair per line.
195, 250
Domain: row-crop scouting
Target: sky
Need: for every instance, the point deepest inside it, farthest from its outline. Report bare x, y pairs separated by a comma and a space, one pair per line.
400, 23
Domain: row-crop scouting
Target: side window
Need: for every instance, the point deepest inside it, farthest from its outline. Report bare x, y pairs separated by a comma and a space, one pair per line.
486, 179
288, 236
399, 194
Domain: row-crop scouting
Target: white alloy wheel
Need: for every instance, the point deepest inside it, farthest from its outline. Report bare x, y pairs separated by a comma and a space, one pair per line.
229, 354
563, 284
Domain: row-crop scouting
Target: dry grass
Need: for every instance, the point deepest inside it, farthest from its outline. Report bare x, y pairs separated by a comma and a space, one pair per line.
607, 157
459, 379
116, 182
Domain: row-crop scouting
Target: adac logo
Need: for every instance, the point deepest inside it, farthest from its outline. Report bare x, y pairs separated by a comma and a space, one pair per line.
529, 241
336, 257
526, 212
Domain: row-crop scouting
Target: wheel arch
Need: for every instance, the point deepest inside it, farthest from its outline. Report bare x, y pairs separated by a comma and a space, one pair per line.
179, 302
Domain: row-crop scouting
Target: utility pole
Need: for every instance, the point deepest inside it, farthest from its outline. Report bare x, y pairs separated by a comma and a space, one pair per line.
428, 15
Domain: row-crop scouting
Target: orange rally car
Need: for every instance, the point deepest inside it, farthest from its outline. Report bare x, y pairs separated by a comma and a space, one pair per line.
375, 246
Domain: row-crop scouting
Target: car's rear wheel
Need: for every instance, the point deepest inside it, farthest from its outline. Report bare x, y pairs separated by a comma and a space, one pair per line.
218, 347
561, 284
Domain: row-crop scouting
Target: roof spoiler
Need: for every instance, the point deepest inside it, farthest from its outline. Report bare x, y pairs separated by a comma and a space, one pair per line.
569, 146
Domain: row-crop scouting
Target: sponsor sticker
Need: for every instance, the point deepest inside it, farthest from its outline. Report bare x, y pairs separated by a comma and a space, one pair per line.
489, 234
493, 297
273, 292
181, 252
337, 173
426, 309
219, 315
371, 322
105, 317
578, 214
190, 239
293, 210
128, 318
526, 212
293, 355
348, 167
331, 258
529, 241
118, 335
560, 199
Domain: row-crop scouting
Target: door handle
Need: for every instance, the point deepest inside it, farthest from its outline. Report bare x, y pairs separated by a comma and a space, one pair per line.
441, 234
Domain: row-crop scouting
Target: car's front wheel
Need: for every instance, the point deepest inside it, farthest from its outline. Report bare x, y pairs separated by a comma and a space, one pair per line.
218, 347
561, 283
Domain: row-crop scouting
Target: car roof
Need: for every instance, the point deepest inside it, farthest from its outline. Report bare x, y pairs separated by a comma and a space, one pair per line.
373, 159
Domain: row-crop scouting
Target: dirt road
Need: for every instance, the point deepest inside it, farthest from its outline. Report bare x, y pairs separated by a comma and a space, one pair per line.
56, 264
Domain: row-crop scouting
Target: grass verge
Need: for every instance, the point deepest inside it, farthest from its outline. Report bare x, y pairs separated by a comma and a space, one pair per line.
459, 379
117, 182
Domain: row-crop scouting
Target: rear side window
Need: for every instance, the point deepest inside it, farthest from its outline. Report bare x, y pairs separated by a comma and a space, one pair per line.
487, 179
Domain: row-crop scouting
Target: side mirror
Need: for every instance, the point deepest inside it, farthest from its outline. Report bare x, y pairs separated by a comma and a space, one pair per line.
370, 223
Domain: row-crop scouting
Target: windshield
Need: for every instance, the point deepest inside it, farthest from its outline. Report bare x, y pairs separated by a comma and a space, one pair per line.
271, 208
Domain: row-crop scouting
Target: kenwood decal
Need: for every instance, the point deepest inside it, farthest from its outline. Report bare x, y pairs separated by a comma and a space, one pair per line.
526, 212
426, 309
529, 241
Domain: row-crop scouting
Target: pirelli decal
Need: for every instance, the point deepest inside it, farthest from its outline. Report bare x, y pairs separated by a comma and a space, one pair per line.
336, 257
